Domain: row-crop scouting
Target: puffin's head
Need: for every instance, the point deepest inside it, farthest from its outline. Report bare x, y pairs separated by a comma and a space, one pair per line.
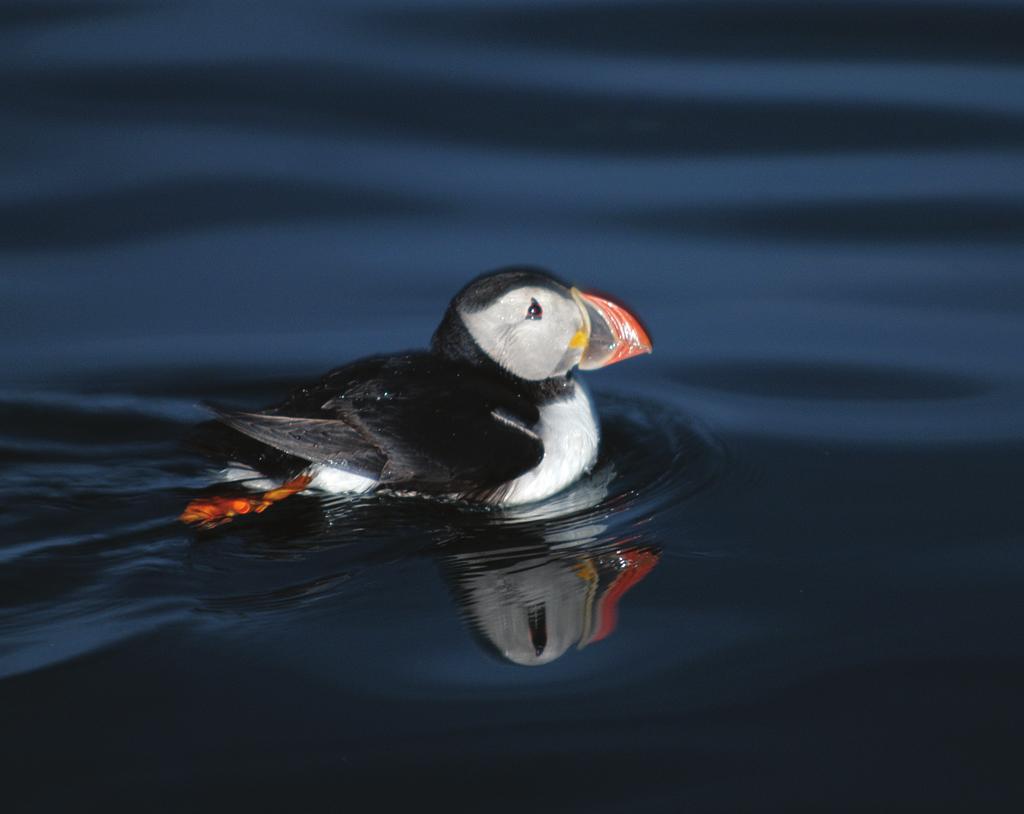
536, 327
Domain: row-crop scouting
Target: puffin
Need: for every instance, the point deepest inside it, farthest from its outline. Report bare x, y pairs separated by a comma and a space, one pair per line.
492, 413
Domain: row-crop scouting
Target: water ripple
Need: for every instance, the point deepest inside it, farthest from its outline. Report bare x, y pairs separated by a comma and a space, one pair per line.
882, 220
15, 16
329, 99
189, 204
833, 381
978, 32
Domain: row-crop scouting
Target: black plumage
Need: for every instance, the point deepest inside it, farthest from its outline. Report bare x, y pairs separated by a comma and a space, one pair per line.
415, 421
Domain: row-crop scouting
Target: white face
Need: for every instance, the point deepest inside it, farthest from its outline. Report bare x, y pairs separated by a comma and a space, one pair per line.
529, 331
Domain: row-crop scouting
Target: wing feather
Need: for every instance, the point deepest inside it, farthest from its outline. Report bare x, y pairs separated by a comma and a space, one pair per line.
318, 440
410, 421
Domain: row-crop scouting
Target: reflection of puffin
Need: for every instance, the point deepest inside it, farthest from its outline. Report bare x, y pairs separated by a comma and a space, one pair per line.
531, 609
491, 413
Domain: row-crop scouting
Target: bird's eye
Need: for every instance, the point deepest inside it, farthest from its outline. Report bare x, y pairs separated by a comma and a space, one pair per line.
534, 311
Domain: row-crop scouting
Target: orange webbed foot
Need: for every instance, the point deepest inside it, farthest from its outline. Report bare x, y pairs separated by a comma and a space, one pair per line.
210, 512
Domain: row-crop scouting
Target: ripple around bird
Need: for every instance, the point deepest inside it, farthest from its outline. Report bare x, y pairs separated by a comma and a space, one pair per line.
123, 559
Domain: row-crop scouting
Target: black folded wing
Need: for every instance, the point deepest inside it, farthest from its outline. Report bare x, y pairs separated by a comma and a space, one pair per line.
413, 421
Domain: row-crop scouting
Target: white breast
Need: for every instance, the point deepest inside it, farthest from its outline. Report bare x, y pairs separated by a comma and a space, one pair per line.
570, 434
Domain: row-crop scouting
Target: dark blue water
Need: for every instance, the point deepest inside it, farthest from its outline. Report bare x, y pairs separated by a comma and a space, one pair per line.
793, 582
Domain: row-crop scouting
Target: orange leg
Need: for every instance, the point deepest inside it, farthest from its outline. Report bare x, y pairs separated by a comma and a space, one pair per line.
210, 512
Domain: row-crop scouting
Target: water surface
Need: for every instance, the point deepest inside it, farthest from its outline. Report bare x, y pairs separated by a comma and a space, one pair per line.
793, 581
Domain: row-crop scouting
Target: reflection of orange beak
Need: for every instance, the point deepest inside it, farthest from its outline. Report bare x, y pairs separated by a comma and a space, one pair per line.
614, 333
637, 563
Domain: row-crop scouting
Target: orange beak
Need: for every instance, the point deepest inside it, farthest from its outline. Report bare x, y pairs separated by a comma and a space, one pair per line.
613, 333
